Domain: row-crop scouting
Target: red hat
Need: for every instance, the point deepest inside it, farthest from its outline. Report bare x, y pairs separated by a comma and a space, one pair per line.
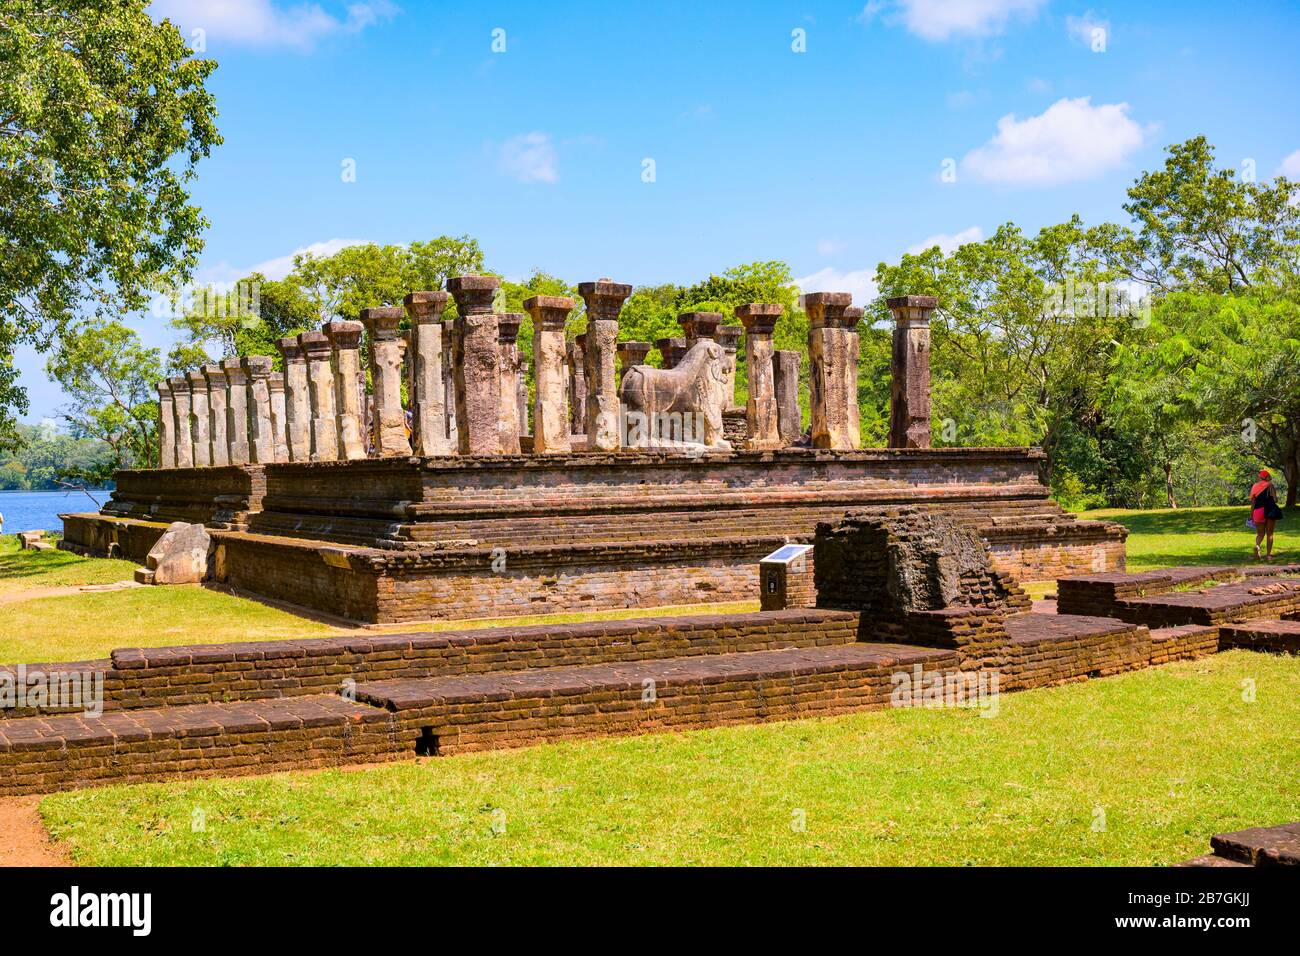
1263, 473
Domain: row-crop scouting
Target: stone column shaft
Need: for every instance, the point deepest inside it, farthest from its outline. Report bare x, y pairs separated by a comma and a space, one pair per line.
345, 336
631, 353
828, 346
166, 426
604, 301
200, 419
550, 421
478, 365
785, 366
388, 421
671, 351
508, 357
728, 336
236, 411
217, 413
297, 400
181, 421
578, 385
449, 383
320, 380
761, 424
261, 437
279, 416
909, 404
428, 379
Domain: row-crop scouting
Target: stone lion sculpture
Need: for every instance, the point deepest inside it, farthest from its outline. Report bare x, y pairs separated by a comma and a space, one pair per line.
687, 399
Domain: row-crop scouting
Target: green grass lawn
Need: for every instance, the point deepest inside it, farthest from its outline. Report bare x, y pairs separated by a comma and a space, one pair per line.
22, 570
1165, 538
1163, 757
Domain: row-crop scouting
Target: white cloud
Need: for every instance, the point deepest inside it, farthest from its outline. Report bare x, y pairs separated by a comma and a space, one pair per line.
828, 247
937, 20
1072, 140
1088, 29
280, 266
1290, 167
860, 282
267, 24
947, 242
529, 158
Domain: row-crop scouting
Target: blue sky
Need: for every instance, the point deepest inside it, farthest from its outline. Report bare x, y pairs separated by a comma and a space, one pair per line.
811, 132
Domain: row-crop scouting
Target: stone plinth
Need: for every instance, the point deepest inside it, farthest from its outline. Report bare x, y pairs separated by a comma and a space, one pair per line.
166, 426
297, 400
317, 351
478, 365
345, 337
631, 353
759, 320
728, 336
388, 421
785, 366
508, 359
261, 434
604, 301
428, 382
909, 405
218, 414
236, 411
828, 346
550, 420
200, 418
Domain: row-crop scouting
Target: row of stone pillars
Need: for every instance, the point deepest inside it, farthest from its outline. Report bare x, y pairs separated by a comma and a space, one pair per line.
467, 386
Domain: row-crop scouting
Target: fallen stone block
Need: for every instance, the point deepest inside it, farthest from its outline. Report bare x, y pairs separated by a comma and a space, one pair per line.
28, 540
180, 555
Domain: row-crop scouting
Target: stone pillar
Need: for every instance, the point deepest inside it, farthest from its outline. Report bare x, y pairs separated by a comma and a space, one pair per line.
521, 396
279, 416
345, 336
759, 319
578, 384
166, 426
699, 325
508, 363
236, 411
848, 323
388, 419
629, 354
728, 336
909, 400
550, 422
428, 388
297, 400
604, 301
218, 414
180, 386
449, 382
200, 418
316, 349
785, 366
827, 355
261, 438
478, 365
671, 351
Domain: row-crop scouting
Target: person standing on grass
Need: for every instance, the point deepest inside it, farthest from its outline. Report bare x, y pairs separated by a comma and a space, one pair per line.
1264, 512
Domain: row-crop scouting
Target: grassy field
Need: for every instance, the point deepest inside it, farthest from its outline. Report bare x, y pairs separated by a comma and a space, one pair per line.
1068, 775
1164, 538
23, 570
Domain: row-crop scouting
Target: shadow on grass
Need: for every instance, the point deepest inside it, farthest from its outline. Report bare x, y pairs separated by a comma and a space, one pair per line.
26, 564
1195, 521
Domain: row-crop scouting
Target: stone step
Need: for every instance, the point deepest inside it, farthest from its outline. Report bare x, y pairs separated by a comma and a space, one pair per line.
43, 754
1278, 637
1260, 846
477, 712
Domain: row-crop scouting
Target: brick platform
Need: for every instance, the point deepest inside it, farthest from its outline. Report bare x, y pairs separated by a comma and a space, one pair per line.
1276, 637
405, 539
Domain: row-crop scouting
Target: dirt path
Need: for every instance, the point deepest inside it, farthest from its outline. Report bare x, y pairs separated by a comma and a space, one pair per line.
31, 594
24, 841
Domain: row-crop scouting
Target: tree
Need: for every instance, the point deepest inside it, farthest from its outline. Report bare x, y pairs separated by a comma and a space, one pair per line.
110, 378
103, 117
1202, 229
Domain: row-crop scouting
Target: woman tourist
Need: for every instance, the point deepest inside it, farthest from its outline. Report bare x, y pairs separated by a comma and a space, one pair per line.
1264, 512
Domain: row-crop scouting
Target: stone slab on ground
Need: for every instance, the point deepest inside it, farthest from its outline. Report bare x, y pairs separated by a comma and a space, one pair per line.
1261, 846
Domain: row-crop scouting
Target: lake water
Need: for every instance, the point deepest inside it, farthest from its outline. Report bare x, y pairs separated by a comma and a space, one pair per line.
39, 510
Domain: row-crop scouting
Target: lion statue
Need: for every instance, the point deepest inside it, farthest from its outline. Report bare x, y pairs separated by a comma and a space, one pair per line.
685, 401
